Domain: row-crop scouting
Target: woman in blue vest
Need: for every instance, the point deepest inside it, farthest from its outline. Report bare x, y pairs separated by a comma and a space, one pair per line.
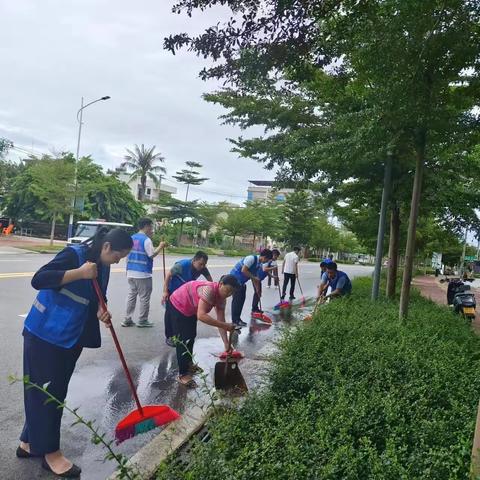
246, 269
183, 271
63, 320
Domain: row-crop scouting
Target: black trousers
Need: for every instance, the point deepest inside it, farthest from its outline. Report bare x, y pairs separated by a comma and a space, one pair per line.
256, 298
169, 329
238, 300
289, 277
44, 362
185, 330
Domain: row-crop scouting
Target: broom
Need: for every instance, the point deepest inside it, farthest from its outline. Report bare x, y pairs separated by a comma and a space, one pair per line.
144, 418
302, 301
283, 303
257, 315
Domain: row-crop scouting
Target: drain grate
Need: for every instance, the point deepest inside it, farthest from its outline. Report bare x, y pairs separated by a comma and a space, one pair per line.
182, 457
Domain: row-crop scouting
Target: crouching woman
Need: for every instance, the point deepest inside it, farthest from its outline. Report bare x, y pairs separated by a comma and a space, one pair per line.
191, 302
63, 320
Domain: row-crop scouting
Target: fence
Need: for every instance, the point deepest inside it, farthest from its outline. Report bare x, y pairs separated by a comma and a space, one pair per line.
41, 229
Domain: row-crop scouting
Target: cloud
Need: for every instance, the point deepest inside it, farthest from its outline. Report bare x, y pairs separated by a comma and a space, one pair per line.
56, 52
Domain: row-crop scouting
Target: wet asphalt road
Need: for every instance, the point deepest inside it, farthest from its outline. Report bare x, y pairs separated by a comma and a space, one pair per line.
98, 386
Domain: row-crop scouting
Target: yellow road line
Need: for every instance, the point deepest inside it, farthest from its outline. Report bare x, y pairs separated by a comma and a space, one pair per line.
113, 270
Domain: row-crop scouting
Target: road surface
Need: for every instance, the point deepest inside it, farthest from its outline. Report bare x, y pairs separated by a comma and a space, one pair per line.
98, 386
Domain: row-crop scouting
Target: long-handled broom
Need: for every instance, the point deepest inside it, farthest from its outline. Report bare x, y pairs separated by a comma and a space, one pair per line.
283, 303
302, 301
260, 315
146, 417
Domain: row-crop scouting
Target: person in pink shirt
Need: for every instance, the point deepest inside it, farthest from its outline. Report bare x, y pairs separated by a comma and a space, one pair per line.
194, 301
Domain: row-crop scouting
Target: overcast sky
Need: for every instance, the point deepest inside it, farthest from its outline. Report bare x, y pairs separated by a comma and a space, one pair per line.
53, 52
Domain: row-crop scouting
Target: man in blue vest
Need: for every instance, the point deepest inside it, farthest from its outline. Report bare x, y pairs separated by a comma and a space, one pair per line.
245, 270
139, 273
338, 282
182, 272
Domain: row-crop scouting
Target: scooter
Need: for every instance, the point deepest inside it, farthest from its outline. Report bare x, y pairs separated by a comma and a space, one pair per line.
460, 296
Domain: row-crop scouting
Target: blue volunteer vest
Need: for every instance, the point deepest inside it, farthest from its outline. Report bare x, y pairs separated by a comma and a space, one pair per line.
138, 260
261, 274
237, 270
58, 316
187, 275
347, 288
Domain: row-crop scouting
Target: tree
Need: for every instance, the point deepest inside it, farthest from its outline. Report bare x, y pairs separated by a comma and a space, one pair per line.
189, 176
207, 216
5, 146
43, 189
414, 79
324, 236
298, 215
142, 161
236, 222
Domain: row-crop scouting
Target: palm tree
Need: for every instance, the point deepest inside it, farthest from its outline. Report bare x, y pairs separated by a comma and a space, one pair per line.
142, 161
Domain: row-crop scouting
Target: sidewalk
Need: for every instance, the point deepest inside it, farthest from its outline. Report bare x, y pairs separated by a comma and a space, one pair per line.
17, 241
430, 287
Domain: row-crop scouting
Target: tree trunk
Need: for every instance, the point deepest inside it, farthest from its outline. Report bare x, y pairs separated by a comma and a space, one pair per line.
253, 243
412, 229
52, 230
234, 240
382, 220
393, 252
143, 187
181, 233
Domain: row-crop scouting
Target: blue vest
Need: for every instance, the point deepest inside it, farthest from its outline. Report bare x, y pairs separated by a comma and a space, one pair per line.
58, 316
261, 273
238, 274
187, 275
138, 260
347, 288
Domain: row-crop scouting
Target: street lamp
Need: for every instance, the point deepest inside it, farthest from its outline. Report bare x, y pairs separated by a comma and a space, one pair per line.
79, 120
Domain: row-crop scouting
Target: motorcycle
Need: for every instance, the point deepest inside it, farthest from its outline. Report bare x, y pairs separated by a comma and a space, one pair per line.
460, 296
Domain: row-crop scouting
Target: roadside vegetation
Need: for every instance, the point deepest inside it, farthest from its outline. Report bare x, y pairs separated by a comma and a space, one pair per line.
355, 394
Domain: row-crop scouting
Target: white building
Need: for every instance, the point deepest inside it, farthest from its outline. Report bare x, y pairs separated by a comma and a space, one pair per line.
263, 189
152, 192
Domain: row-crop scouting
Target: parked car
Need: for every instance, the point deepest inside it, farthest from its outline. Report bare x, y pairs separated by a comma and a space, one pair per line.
88, 228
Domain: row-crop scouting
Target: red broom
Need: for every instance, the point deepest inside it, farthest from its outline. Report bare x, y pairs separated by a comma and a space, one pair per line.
144, 418
302, 301
258, 315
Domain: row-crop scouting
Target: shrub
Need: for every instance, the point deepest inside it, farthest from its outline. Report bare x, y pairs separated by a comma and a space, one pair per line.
355, 394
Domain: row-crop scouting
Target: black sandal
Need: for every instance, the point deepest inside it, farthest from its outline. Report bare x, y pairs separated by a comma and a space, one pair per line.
22, 453
73, 472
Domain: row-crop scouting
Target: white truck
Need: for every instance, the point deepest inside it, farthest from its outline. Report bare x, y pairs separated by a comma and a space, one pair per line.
88, 228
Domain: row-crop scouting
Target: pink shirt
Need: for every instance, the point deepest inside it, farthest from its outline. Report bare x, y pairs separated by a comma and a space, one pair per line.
187, 298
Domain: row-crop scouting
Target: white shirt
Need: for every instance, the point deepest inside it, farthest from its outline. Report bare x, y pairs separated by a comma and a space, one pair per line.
290, 263
149, 250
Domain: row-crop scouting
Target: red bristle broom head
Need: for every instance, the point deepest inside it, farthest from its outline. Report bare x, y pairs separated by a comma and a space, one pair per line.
135, 423
233, 354
262, 317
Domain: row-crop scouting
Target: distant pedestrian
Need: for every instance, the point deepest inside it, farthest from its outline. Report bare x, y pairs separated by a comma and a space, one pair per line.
290, 272
245, 270
191, 302
63, 320
274, 269
182, 272
139, 273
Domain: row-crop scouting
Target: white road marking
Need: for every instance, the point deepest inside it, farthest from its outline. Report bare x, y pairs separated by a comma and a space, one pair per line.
23, 315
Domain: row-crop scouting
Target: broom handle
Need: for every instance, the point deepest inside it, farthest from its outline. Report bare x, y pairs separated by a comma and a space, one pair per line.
163, 260
299, 285
117, 346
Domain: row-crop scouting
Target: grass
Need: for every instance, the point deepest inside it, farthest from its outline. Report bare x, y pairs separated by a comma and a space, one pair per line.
356, 394
43, 248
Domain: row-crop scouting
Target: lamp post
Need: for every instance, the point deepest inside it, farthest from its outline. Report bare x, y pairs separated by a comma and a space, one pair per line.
75, 181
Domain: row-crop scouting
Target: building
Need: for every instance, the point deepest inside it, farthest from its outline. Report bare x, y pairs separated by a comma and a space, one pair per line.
263, 189
152, 192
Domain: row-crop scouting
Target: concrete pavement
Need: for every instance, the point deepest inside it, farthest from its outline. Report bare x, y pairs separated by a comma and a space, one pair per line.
98, 386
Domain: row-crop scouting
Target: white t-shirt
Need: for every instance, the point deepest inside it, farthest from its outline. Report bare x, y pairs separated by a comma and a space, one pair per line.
149, 250
290, 263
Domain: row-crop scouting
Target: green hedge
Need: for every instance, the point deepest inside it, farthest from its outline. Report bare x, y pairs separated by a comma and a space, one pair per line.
356, 394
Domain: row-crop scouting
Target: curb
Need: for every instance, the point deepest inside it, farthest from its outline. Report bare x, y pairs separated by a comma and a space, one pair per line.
149, 457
